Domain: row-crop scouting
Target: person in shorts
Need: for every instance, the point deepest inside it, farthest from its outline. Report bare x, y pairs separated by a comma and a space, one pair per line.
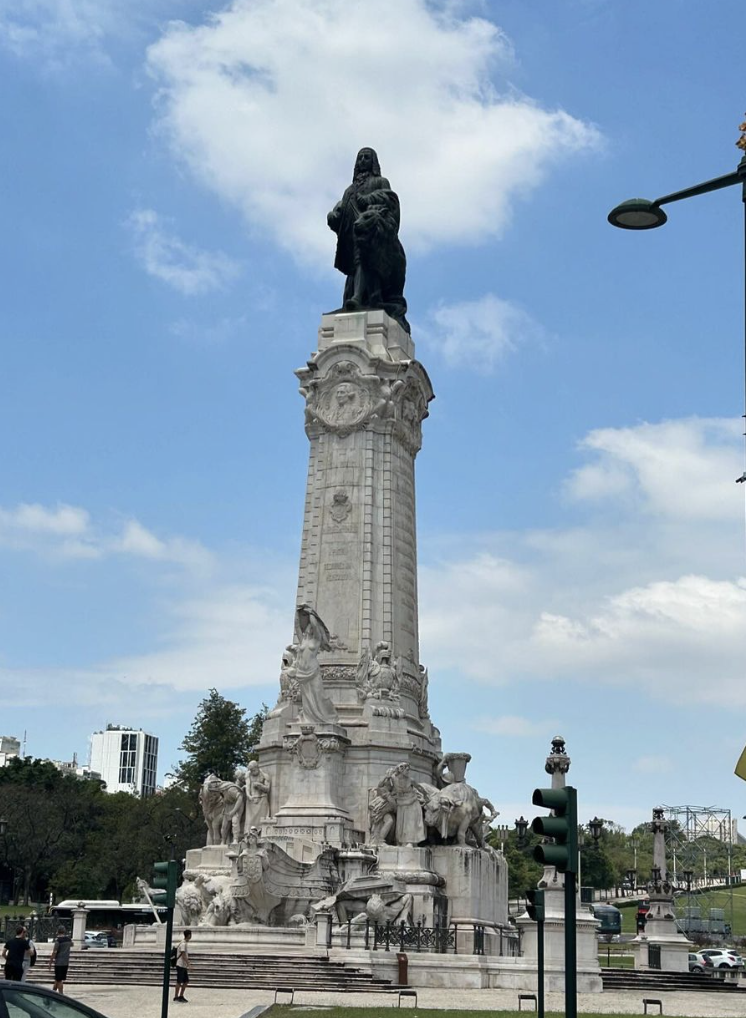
14, 952
182, 967
60, 959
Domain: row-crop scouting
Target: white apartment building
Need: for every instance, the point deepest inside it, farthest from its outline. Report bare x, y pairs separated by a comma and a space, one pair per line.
126, 759
9, 748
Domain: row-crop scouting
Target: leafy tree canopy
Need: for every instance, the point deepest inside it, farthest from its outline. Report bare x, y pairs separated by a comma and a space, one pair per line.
221, 739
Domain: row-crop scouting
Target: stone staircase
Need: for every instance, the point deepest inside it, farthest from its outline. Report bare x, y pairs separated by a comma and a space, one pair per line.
255, 971
637, 979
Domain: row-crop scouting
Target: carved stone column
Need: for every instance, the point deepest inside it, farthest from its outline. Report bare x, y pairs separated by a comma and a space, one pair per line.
366, 398
660, 928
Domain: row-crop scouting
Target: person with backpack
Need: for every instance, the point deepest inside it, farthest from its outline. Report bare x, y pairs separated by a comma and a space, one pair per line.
30, 958
60, 958
182, 967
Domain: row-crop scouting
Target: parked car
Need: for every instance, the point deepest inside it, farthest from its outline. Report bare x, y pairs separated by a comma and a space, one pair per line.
93, 939
696, 964
25, 1000
724, 958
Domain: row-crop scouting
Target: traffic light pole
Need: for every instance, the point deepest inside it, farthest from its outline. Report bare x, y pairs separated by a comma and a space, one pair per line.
540, 968
571, 948
165, 879
167, 963
562, 828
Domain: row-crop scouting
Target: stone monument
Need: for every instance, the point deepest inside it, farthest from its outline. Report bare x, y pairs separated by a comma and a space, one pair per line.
661, 945
351, 809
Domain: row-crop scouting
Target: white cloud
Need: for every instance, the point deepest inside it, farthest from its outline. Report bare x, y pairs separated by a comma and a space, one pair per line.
683, 468
228, 636
518, 727
269, 101
56, 32
649, 598
479, 333
68, 532
183, 266
35, 518
232, 637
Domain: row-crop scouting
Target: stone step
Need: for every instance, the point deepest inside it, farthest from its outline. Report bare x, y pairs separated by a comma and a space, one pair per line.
219, 970
630, 979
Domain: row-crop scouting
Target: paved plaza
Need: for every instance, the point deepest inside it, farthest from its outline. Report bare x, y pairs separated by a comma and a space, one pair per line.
126, 1001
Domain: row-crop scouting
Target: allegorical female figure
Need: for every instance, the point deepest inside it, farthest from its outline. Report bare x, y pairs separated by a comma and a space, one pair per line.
369, 251
312, 636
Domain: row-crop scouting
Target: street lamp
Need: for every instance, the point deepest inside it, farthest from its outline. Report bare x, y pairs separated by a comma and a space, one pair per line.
642, 214
595, 826
521, 826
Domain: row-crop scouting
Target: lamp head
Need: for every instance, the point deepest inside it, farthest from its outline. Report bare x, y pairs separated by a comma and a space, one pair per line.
637, 214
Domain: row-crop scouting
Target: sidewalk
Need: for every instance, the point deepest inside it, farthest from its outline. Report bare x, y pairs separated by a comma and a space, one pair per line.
145, 1002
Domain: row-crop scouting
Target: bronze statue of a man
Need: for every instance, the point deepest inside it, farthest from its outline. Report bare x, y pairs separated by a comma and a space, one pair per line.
369, 251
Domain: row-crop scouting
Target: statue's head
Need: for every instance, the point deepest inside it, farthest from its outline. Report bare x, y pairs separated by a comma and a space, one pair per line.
344, 393
367, 162
252, 767
375, 907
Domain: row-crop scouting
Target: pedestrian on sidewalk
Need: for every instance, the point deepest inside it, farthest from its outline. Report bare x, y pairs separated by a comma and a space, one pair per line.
182, 967
14, 952
30, 958
60, 959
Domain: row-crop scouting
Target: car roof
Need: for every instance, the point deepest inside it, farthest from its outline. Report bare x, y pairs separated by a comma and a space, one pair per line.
42, 991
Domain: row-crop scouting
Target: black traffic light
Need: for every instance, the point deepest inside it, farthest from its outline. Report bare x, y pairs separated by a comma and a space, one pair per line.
535, 904
165, 878
562, 827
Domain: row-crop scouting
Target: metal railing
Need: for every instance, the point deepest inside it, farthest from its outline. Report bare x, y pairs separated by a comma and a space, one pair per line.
39, 927
464, 938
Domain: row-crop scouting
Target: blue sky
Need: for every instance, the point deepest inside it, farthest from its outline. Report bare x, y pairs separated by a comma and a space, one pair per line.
165, 261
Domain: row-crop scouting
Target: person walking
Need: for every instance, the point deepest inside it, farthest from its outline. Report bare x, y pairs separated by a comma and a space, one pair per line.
60, 959
14, 952
30, 958
182, 967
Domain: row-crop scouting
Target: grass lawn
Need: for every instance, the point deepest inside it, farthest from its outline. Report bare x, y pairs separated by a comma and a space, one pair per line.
715, 899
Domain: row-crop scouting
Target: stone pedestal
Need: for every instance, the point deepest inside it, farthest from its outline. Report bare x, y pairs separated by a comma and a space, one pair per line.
80, 915
414, 868
476, 881
589, 972
672, 952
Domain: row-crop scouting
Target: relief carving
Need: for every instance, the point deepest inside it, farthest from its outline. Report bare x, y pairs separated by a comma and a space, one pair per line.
377, 678
341, 506
346, 400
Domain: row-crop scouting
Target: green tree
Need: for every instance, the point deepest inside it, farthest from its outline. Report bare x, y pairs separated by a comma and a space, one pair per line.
523, 872
221, 739
50, 817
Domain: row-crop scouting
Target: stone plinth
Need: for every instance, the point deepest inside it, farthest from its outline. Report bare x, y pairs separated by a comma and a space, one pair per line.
554, 939
476, 881
413, 866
